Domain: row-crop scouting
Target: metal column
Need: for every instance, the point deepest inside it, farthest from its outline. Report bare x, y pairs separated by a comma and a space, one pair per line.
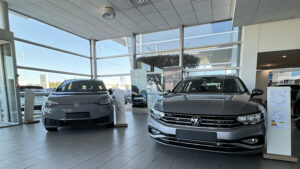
93, 59
181, 45
4, 15
133, 52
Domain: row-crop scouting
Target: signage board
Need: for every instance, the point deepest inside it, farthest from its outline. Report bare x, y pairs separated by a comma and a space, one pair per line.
279, 121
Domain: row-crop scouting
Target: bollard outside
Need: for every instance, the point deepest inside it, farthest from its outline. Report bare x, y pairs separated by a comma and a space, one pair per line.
120, 108
29, 107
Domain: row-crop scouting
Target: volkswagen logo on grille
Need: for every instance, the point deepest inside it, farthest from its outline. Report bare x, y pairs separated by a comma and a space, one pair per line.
76, 104
196, 120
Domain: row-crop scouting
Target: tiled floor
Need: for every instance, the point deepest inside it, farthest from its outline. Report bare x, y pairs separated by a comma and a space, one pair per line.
30, 146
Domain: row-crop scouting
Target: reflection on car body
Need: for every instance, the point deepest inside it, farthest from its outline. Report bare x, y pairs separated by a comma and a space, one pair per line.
214, 113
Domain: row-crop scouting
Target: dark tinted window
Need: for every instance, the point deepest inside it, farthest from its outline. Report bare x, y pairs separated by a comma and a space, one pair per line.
211, 85
82, 86
31, 88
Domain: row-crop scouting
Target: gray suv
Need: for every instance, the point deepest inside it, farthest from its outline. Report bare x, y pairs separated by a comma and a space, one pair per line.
213, 113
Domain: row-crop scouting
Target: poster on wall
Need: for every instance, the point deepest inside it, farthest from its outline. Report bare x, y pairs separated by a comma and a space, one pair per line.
172, 76
279, 121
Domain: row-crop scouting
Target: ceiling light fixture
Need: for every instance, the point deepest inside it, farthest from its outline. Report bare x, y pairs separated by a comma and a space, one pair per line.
108, 13
139, 2
268, 64
284, 56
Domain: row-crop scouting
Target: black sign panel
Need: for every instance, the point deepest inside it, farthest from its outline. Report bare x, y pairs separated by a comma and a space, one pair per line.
196, 135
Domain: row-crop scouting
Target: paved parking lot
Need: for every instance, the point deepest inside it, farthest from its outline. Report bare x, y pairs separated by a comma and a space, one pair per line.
31, 146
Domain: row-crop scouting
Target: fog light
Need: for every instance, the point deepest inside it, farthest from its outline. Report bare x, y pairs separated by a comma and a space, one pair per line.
154, 131
250, 140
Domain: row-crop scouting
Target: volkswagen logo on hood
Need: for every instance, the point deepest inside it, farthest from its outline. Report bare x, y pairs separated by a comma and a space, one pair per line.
76, 104
196, 120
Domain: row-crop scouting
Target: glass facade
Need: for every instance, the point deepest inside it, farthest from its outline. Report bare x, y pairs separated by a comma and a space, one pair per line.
158, 50
47, 59
214, 49
210, 34
35, 31
38, 57
207, 49
115, 47
158, 41
9, 110
118, 65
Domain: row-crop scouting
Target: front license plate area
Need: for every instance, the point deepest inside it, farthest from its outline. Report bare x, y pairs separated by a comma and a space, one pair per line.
196, 135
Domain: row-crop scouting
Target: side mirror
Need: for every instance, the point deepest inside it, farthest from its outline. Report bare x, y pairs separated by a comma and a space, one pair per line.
167, 91
257, 92
110, 91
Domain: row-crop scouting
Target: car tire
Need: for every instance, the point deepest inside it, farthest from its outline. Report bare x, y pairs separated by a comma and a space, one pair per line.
110, 125
51, 129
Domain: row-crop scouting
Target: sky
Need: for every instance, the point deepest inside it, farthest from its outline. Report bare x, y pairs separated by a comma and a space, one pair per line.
38, 57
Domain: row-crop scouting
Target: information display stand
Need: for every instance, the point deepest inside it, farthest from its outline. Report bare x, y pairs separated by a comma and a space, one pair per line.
279, 142
120, 108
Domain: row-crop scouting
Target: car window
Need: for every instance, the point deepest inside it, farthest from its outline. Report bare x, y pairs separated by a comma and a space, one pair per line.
211, 85
82, 86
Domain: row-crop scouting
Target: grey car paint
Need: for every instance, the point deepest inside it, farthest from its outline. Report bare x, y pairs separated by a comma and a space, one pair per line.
211, 105
77, 102
231, 104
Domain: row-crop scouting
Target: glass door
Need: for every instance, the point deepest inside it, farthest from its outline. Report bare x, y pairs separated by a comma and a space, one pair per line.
9, 109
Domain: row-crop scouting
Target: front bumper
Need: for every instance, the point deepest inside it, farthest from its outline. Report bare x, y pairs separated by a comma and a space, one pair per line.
58, 117
227, 140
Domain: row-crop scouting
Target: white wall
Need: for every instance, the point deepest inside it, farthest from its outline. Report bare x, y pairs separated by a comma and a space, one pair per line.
272, 36
262, 79
249, 50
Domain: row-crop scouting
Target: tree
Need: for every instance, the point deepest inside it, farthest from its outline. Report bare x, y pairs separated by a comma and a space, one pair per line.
162, 61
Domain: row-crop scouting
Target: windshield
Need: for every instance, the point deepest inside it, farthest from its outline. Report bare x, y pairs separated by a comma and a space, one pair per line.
211, 85
81, 86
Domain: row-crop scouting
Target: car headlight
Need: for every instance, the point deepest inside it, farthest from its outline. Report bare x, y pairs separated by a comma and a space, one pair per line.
157, 114
251, 118
103, 102
49, 103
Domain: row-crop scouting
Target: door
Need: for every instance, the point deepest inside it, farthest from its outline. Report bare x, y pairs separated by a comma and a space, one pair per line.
9, 109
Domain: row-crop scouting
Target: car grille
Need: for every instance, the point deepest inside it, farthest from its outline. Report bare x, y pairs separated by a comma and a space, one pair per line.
77, 115
205, 120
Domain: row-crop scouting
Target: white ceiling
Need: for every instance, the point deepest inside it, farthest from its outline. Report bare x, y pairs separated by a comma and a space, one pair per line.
84, 17
250, 12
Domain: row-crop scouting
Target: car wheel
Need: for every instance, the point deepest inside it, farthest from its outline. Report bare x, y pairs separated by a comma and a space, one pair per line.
110, 125
51, 129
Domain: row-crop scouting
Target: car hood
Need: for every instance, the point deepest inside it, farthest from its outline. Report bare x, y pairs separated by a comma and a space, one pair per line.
82, 98
212, 104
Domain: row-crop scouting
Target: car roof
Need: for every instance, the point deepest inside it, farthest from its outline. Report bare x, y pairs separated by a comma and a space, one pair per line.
195, 77
76, 80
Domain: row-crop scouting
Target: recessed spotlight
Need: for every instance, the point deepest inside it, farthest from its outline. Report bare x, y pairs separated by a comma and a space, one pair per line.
108, 13
284, 56
139, 2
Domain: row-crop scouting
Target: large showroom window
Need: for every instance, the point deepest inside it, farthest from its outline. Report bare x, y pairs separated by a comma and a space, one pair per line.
113, 62
46, 55
157, 50
214, 49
